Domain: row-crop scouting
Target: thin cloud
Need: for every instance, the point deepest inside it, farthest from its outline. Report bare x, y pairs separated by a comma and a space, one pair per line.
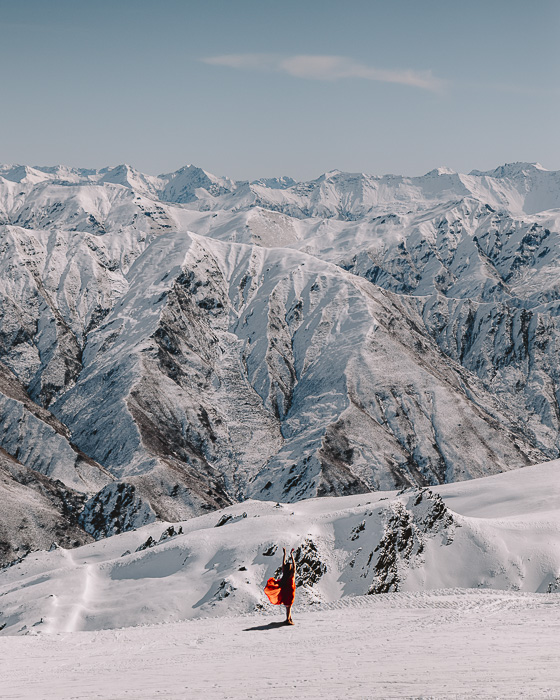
314, 67
251, 61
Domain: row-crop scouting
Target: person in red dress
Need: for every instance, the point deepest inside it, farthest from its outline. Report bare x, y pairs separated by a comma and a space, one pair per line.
283, 591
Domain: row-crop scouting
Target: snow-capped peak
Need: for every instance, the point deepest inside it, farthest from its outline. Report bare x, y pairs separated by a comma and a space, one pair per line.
275, 183
442, 170
182, 184
22, 173
509, 170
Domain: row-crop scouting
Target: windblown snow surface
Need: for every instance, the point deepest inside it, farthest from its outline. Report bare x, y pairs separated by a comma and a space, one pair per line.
451, 592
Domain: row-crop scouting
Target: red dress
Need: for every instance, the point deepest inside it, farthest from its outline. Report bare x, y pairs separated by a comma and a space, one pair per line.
281, 591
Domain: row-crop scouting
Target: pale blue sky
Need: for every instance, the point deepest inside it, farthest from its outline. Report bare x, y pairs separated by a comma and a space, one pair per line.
250, 89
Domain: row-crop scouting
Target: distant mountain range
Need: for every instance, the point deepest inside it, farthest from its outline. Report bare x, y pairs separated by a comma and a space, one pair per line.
175, 344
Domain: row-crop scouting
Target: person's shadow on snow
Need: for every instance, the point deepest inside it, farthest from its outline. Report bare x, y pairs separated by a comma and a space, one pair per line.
270, 626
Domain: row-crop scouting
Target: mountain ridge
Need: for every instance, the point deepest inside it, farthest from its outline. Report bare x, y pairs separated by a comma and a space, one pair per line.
205, 341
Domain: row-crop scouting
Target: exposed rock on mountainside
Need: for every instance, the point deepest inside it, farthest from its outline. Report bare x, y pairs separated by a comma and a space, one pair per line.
407, 528
34, 436
36, 512
302, 339
115, 509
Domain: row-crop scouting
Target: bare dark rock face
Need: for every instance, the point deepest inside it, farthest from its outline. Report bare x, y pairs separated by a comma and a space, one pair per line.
404, 539
115, 509
309, 567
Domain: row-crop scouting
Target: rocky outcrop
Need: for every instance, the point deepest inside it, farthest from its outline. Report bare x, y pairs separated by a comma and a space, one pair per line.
406, 529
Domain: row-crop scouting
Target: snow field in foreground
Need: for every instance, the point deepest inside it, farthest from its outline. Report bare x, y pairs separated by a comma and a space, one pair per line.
455, 644
107, 620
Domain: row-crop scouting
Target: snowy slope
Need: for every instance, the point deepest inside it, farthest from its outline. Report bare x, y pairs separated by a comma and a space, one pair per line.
455, 644
500, 532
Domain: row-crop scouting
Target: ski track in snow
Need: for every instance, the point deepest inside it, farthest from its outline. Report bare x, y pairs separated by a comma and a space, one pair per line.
453, 644
82, 605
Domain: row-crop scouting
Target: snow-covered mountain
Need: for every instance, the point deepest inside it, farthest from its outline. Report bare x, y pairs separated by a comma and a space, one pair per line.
174, 344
